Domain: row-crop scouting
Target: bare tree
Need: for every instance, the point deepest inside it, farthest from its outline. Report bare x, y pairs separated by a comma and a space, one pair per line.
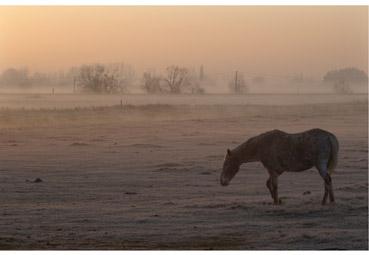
176, 79
97, 79
194, 82
123, 74
151, 83
90, 78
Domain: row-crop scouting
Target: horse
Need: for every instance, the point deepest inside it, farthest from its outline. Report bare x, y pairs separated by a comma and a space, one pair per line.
283, 152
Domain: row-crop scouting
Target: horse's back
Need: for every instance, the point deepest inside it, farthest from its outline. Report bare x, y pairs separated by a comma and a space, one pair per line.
321, 140
295, 152
319, 133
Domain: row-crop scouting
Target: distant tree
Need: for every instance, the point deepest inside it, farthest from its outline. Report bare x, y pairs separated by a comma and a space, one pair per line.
17, 77
151, 83
342, 87
124, 75
194, 82
176, 79
96, 79
342, 78
346, 75
90, 78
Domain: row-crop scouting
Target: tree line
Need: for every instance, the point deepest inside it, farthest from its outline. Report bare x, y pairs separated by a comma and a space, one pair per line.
118, 78
109, 79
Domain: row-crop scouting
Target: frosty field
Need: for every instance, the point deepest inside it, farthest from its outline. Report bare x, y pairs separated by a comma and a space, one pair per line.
147, 176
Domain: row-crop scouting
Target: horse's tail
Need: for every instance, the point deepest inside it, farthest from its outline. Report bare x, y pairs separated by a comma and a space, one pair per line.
332, 163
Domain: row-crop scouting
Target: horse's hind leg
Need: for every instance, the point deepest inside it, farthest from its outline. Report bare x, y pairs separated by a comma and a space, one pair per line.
325, 194
328, 190
270, 186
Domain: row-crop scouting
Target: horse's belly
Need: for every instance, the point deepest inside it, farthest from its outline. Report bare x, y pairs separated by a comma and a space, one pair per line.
294, 165
290, 156
298, 168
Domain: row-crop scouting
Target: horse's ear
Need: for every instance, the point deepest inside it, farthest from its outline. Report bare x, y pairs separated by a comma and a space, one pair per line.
228, 152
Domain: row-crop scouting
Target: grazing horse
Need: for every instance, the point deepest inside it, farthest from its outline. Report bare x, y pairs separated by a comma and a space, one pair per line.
279, 152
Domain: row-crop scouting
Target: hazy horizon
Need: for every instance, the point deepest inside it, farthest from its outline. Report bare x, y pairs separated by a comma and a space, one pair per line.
267, 40
135, 153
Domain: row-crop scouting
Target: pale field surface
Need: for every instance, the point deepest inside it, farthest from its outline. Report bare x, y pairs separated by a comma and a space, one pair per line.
147, 177
68, 101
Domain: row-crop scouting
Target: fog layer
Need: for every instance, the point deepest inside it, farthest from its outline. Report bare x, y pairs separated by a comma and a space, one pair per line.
261, 40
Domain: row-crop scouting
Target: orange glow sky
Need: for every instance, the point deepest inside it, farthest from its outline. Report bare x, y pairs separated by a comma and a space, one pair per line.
268, 40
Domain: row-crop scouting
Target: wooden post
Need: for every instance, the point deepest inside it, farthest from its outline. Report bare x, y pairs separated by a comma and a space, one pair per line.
236, 83
53, 91
121, 103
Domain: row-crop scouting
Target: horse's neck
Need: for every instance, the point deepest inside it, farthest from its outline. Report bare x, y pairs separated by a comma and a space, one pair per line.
248, 151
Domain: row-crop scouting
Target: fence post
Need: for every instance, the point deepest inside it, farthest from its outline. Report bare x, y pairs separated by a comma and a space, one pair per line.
236, 89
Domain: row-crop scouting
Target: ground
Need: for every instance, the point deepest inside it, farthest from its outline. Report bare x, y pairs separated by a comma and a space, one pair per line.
147, 177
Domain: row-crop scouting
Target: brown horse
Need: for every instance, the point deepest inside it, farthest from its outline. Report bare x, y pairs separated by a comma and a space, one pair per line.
282, 152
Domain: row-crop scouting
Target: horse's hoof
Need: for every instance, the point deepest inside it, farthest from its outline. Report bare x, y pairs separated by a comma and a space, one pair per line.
278, 203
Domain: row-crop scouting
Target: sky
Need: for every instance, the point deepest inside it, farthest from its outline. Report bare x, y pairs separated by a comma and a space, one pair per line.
272, 40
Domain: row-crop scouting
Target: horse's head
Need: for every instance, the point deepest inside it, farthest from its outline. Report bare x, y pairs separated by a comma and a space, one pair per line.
231, 166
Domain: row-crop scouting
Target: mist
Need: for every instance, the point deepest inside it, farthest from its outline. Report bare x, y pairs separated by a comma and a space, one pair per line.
265, 41
121, 126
